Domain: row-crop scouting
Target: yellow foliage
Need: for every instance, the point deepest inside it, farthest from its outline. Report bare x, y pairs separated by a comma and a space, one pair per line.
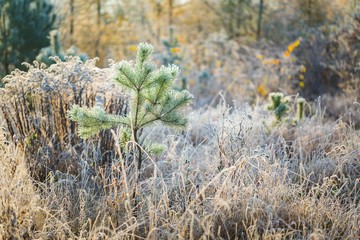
132, 48
301, 84
260, 57
181, 39
292, 47
301, 77
302, 69
261, 90
175, 50
271, 61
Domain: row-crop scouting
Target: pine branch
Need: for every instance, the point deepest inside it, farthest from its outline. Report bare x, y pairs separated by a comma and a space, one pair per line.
91, 121
126, 75
146, 75
144, 52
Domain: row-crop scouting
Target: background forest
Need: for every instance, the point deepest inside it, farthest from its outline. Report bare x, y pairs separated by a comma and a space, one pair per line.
254, 136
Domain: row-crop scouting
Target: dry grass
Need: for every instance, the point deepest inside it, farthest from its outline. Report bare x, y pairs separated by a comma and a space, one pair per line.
231, 176
34, 106
19, 201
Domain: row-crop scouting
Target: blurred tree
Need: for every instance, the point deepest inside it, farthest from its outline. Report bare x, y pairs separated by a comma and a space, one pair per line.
55, 49
287, 20
96, 27
163, 15
235, 16
195, 21
24, 30
314, 12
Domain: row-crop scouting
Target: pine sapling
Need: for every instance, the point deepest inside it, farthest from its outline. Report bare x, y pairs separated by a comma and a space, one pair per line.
152, 100
279, 105
300, 113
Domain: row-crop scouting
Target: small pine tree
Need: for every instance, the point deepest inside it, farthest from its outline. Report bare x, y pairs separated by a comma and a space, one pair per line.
279, 105
24, 27
300, 109
172, 47
152, 100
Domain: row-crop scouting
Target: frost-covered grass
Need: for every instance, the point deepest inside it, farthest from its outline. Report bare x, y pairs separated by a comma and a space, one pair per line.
232, 174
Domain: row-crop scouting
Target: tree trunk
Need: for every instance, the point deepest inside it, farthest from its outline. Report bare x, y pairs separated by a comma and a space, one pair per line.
6, 63
171, 7
259, 24
98, 23
238, 17
158, 16
309, 11
231, 21
5, 36
72, 13
98, 15
171, 30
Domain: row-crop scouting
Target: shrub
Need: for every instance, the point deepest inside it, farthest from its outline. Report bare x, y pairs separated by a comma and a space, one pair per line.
35, 104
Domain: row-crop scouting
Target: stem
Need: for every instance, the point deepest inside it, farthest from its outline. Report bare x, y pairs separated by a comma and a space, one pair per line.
150, 121
136, 128
128, 78
136, 140
162, 115
137, 106
135, 210
156, 99
139, 158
